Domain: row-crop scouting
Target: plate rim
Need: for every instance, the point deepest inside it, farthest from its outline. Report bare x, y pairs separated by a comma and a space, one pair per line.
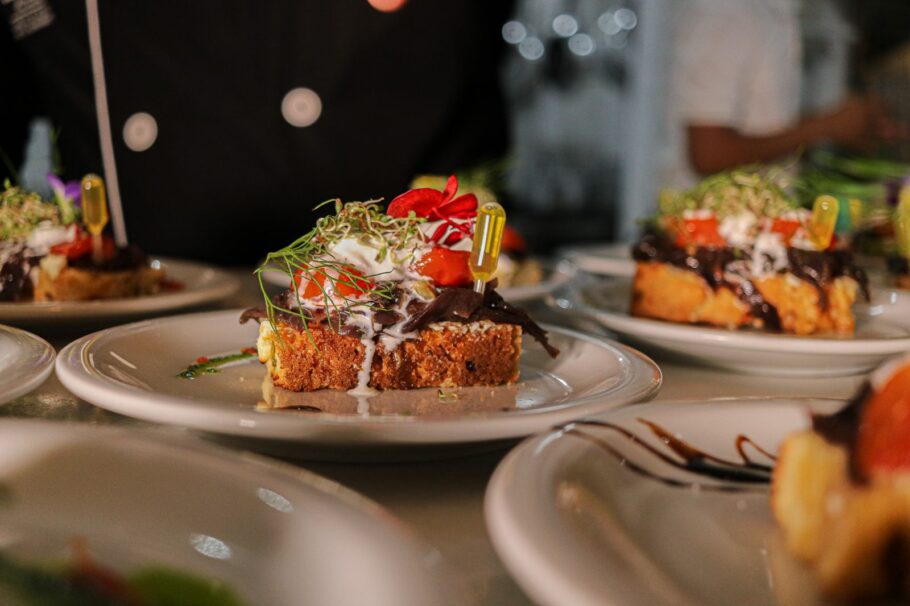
76, 375
595, 258
540, 578
224, 285
42, 354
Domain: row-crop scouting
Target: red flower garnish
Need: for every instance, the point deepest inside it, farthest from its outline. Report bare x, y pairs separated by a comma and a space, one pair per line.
435, 205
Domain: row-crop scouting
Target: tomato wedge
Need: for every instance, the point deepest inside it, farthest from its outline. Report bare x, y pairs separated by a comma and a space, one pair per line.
512, 241
786, 228
446, 267
698, 232
82, 246
349, 282
883, 443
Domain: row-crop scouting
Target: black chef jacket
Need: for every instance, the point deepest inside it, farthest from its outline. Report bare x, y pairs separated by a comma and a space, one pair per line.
231, 119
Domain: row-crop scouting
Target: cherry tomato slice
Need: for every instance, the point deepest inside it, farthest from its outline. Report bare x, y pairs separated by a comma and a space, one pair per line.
512, 241
884, 434
446, 267
786, 228
82, 246
348, 283
698, 232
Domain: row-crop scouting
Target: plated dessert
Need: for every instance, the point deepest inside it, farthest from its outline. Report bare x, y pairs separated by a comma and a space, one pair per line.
737, 251
55, 250
841, 491
384, 299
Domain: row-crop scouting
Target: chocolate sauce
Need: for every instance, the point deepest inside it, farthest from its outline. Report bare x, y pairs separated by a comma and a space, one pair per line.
688, 458
15, 282
452, 304
842, 429
124, 259
898, 265
819, 268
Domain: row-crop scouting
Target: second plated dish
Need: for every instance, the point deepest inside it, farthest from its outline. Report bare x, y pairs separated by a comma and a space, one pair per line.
882, 330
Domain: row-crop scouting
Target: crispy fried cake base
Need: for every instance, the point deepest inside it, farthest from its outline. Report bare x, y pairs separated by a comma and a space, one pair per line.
665, 292
74, 284
445, 354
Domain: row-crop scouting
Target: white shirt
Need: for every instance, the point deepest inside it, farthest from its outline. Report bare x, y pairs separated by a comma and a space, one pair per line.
735, 63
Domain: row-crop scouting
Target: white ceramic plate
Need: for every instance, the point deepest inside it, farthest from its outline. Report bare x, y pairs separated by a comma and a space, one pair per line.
883, 330
555, 277
133, 370
200, 284
602, 259
25, 362
274, 534
576, 524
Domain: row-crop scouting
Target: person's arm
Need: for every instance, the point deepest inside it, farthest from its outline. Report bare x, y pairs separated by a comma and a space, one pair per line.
853, 124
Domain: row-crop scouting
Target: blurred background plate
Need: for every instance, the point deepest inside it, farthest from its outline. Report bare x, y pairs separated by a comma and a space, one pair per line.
575, 523
195, 284
25, 362
274, 534
133, 370
882, 330
602, 259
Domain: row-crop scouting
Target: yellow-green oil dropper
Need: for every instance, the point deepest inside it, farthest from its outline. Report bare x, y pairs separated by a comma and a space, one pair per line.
94, 212
902, 221
488, 230
823, 221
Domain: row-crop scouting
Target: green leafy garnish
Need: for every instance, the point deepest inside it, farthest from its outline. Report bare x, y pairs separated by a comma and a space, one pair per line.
211, 366
159, 586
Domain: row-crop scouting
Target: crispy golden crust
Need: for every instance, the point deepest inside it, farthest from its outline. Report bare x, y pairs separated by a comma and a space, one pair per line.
442, 355
73, 284
665, 292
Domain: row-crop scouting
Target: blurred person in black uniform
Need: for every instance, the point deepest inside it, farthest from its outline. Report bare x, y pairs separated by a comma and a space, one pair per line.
231, 119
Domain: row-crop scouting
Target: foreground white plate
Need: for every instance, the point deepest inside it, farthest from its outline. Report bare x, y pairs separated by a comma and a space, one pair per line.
882, 330
603, 259
25, 362
275, 534
555, 277
575, 524
200, 284
133, 370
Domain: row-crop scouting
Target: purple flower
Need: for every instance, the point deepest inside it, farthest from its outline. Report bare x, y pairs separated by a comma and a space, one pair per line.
70, 191
67, 196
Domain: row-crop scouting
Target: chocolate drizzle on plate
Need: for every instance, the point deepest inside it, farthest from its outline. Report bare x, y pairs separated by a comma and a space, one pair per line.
818, 268
742, 474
